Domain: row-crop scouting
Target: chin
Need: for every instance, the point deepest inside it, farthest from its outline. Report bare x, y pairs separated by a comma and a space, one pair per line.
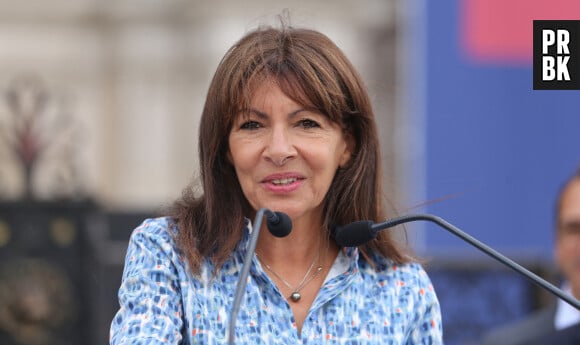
291, 211
294, 209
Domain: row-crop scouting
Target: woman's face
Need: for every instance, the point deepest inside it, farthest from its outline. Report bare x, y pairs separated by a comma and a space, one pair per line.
284, 154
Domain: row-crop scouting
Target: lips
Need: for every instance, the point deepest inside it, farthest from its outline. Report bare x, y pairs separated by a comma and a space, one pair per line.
283, 183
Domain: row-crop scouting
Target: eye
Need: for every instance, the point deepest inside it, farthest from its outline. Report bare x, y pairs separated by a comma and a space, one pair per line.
572, 227
250, 125
308, 123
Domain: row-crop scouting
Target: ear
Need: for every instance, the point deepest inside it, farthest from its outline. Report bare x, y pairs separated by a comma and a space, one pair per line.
557, 251
348, 150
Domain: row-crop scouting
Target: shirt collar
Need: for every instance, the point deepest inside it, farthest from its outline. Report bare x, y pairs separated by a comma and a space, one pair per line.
566, 315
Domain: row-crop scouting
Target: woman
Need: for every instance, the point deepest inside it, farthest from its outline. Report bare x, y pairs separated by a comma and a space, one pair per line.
287, 125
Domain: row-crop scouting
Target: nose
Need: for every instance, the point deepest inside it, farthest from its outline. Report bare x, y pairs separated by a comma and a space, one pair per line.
280, 147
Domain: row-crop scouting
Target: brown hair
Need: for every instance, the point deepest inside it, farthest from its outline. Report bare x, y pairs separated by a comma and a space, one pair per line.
314, 72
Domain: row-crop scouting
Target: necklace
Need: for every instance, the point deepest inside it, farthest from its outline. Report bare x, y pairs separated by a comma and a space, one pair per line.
296, 295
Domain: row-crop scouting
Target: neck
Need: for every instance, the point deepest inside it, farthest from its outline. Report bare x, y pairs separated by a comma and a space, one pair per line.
298, 248
296, 252
306, 235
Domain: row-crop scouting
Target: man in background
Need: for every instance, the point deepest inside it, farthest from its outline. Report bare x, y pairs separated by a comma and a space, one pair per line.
558, 324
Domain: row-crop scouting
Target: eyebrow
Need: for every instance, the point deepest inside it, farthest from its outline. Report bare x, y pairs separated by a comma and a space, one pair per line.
263, 115
574, 223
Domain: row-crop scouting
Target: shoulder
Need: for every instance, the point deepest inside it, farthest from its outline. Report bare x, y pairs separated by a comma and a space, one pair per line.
154, 235
152, 246
408, 283
384, 268
408, 279
407, 290
535, 325
159, 229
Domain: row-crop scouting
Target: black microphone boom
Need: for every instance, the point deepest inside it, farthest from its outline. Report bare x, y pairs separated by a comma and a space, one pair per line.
280, 225
358, 233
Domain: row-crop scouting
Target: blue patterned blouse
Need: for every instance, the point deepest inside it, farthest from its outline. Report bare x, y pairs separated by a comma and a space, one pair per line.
163, 303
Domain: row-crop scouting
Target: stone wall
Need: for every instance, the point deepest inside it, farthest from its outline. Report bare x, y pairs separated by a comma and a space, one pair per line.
131, 77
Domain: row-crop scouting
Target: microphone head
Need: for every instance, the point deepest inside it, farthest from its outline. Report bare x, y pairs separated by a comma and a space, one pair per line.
355, 234
279, 224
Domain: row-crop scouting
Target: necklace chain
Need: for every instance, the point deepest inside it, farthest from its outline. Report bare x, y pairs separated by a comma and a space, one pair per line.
296, 296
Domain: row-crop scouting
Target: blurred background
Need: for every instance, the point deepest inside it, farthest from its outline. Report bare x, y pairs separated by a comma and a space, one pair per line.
99, 106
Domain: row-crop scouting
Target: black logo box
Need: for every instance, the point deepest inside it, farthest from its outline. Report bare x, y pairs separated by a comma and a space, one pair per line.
573, 65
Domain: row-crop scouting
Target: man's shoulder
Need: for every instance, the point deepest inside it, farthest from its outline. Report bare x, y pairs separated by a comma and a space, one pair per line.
535, 325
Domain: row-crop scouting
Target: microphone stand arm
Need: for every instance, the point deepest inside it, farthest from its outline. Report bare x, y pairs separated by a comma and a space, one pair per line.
481, 246
241, 285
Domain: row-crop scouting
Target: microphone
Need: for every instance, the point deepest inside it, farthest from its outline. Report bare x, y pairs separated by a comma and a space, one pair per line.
280, 225
358, 233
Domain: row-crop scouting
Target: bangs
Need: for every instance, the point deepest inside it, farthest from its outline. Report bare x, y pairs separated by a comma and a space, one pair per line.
309, 81
310, 95
300, 65
293, 87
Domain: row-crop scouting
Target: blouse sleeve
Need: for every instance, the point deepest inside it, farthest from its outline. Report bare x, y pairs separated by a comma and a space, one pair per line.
149, 297
427, 328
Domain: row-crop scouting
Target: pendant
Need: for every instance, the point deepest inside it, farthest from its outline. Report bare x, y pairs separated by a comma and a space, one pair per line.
296, 296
